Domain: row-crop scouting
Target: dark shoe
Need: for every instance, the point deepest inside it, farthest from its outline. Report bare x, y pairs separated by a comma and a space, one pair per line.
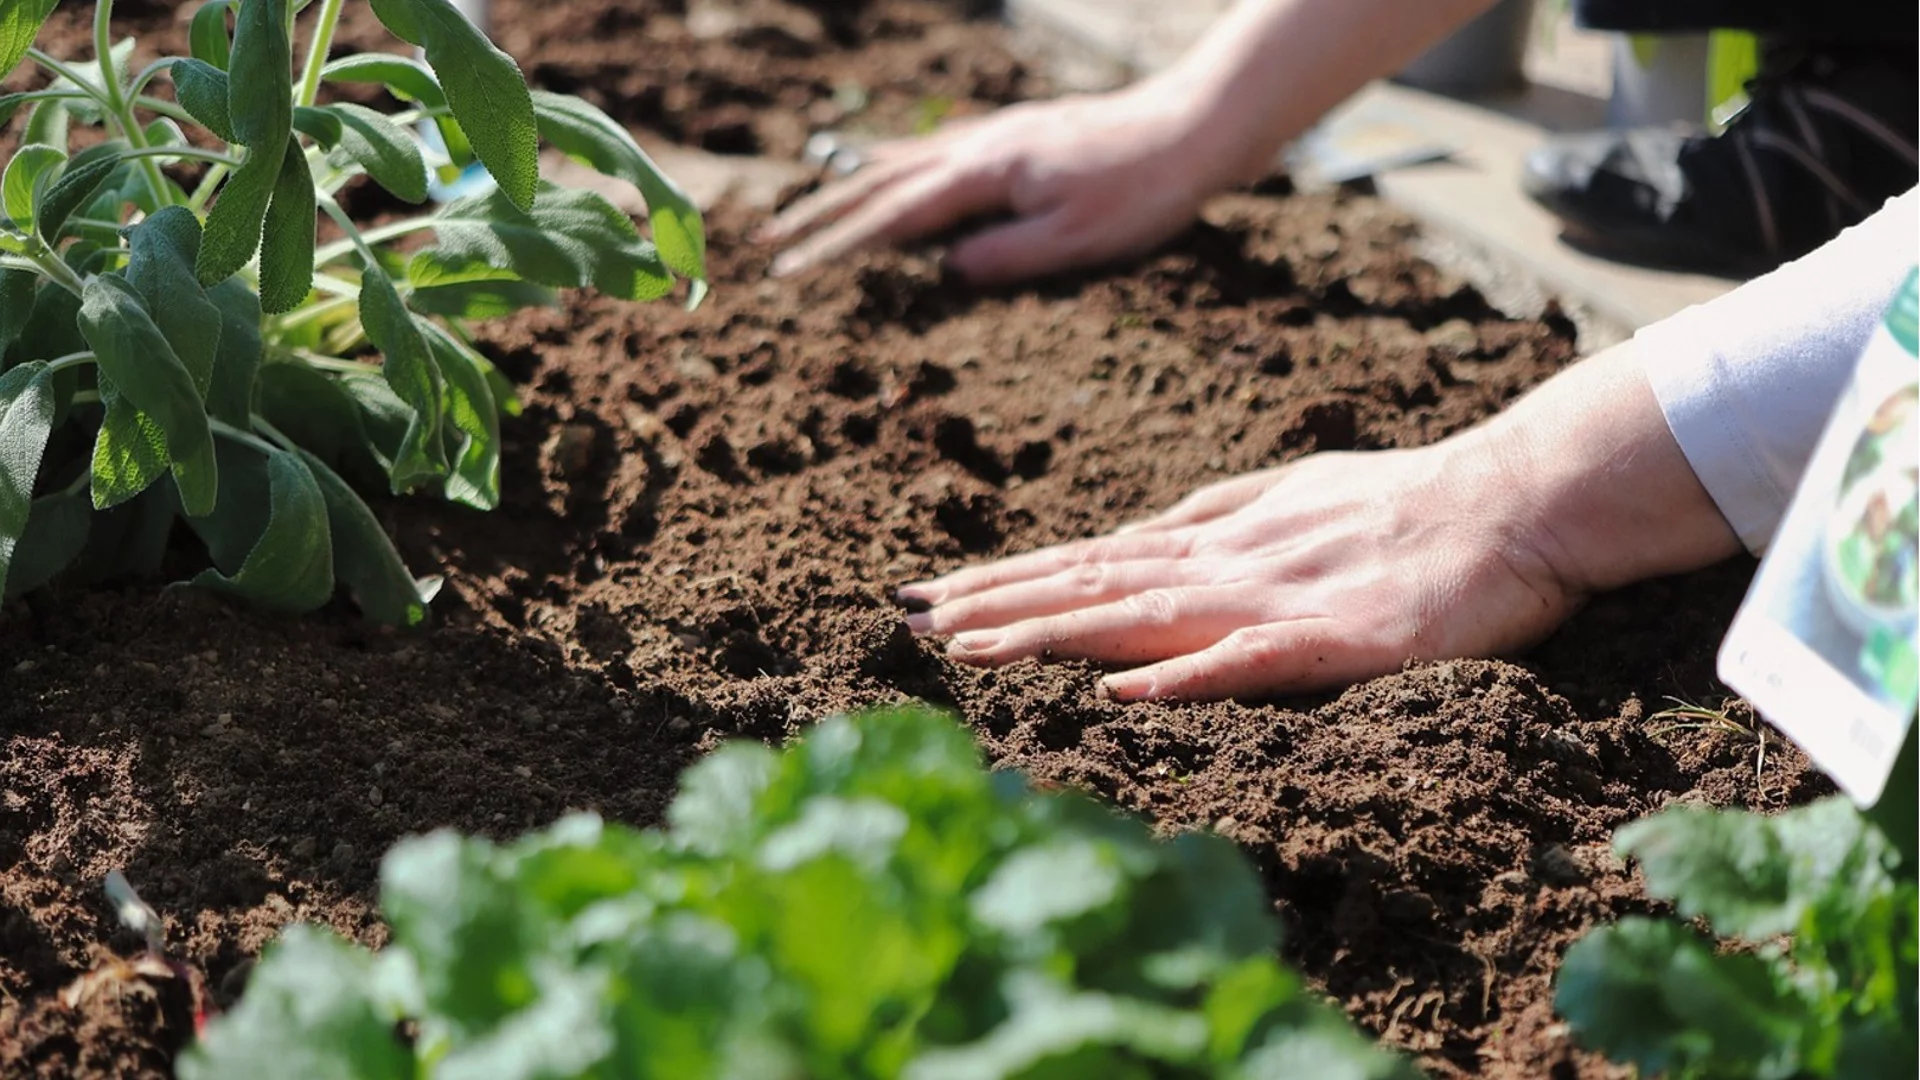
1819, 147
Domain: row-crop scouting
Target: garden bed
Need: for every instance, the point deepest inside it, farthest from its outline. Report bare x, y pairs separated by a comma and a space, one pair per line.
705, 515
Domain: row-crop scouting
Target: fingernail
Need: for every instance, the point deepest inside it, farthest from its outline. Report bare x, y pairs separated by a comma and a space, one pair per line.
1127, 687
787, 263
920, 622
918, 598
977, 642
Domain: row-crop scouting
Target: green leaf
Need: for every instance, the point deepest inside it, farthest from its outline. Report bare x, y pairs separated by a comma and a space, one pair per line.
160, 268
591, 136
207, 37
317, 124
56, 532
364, 559
135, 356
408, 79
310, 1011
260, 92
234, 225
16, 305
290, 566
483, 85
230, 393
51, 328
472, 421
714, 810
202, 90
481, 297
1651, 992
411, 372
318, 412
82, 177
1748, 875
20, 22
48, 124
26, 420
388, 153
28, 174
129, 450
287, 245
571, 239
463, 926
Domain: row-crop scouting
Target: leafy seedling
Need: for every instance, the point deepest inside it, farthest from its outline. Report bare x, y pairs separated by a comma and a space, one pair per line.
869, 903
176, 343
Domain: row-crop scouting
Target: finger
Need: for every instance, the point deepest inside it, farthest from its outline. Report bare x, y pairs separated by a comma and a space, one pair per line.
1021, 249
1045, 563
918, 203
1084, 586
1148, 626
1256, 662
833, 199
1206, 504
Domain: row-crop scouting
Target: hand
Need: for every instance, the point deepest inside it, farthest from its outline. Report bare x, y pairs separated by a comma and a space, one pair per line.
1335, 568
1087, 179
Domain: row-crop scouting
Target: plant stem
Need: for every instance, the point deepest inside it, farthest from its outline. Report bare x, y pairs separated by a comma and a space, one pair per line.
317, 54
239, 435
70, 360
50, 264
165, 108
188, 153
266, 428
334, 363
204, 190
117, 103
357, 239
85, 88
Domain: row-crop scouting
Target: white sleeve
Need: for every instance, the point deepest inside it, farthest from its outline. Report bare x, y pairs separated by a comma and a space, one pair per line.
1747, 381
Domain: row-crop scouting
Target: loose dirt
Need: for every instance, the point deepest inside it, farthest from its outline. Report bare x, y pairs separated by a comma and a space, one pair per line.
705, 516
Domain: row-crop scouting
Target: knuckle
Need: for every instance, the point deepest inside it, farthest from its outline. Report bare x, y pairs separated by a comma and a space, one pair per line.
1154, 607
1254, 646
1088, 578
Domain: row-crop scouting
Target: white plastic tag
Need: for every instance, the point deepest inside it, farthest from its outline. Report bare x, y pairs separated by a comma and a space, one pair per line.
1825, 645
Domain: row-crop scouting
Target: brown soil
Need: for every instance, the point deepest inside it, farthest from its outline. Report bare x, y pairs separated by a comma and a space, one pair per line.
706, 513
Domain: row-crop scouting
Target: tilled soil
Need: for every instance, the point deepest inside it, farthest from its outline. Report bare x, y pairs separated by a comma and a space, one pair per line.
706, 514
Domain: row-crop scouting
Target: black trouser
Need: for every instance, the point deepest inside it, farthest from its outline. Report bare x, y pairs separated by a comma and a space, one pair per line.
1854, 21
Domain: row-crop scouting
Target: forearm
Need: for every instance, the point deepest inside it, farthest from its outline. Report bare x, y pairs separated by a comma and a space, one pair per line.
1270, 69
1603, 491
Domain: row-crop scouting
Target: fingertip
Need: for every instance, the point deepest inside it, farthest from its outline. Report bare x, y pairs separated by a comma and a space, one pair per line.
787, 264
1129, 686
919, 623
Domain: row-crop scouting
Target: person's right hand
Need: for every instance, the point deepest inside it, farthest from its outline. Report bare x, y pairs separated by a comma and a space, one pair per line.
1086, 179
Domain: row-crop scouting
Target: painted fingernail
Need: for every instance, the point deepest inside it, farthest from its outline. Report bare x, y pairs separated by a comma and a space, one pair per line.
920, 622
975, 643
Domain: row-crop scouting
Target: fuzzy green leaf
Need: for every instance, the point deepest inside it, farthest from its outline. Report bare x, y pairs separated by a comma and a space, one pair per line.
260, 92
202, 90
76, 184
290, 565
16, 304
160, 267
26, 420
20, 22
483, 85
570, 239
411, 372
316, 411
136, 358
55, 535
230, 393
386, 151
287, 244
239, 214
406, 78
480, 297
310, 1011
129, 450
472, 422
28, 174
207, 36
591, 136
364, 559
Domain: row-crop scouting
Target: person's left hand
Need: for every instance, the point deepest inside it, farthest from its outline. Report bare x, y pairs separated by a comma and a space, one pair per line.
1335, 568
